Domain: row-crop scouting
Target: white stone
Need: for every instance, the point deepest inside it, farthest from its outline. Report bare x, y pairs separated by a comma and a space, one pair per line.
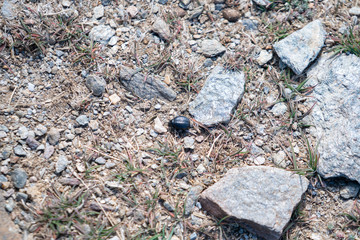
159, 127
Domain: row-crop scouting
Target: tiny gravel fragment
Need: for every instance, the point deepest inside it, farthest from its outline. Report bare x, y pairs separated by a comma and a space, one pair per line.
53, 136
82, 120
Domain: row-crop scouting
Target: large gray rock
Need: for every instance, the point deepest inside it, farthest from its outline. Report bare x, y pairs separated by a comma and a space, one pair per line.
336, 115
96, 85
217, 99
262, 199
162, 29
300, 48
145, 86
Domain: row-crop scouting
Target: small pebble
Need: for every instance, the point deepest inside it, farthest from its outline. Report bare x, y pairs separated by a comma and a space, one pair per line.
19, 178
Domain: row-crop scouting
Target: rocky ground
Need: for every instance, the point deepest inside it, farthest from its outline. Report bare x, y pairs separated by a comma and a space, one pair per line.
87, 89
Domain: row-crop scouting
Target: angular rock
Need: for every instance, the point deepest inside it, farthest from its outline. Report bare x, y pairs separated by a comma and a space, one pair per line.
82, 120
19, 178
98, 11
300, 48
161, 28
279, 109
61, 164
145, 87
264, 57
96, 85
40, 130
102, 33
212, 48
19, 151
53, 136
158, 126
336, 114
189, 143
32, 143
221, 93
49, 151
195, 13
23, 132
8, 229
262, 199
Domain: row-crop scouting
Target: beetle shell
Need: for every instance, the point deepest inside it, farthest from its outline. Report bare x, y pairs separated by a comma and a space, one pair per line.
180, 123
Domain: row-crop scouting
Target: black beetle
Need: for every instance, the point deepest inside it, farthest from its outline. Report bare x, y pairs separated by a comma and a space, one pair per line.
180, 123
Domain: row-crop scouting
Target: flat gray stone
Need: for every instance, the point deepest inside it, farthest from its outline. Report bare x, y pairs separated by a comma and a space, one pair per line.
355, 11
300, 48
336, 114
221, 93
212, 48
145, 87
19, 151
102, 33
98, 11
350, 190
261, 199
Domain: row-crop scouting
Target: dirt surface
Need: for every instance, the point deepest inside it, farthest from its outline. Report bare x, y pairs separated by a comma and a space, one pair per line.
46, 54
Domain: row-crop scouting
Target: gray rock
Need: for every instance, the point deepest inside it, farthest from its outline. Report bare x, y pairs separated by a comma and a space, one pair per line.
32, 143
98, 11
19, 178
279, 159
9, 207
279, 109
4, 128
113, 40
336, 114
40, 130
221, 93
53, 136
100, 160
193, 236
109, 165
8, 9
96, 85
61, 164
19, 151
23, 132
161, 28
300, 48
31, 87
3, 178
262, 199
191, 199
212, 48
196, 12
149, 89
350, 190
264, 57
102, 33
6, 152
189, 143
49, 151
21, 196
82, 120
250, 24
355, 11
